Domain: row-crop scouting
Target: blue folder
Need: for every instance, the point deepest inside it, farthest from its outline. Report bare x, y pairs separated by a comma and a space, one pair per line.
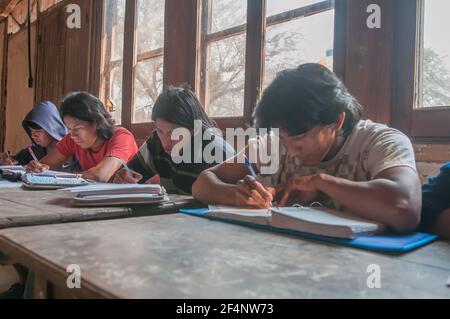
387, 243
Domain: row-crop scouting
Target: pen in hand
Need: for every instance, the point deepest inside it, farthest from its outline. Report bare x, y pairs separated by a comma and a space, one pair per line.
249, 166
30, 150
125, 166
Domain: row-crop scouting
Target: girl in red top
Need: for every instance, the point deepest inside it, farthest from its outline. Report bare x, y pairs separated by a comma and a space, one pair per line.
99, 146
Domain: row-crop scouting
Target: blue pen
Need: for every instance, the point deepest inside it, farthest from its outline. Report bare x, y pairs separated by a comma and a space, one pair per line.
249, 166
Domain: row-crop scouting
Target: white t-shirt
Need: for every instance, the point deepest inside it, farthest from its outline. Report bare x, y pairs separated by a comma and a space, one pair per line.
370, 149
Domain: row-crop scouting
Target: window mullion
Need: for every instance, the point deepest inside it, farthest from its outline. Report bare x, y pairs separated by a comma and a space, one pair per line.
129, 61
254, 56
205, 17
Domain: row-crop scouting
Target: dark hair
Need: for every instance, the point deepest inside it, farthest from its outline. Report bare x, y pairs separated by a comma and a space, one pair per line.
299, 99
86, 107
180, 106
33, 126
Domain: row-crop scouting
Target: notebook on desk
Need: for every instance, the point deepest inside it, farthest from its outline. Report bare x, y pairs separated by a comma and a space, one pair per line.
52, 180
319, 221
117, 194
385, 243
12, 173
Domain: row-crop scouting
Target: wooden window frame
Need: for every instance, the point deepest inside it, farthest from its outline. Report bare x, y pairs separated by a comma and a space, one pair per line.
129, 62
421, 124
254, 59
255, 28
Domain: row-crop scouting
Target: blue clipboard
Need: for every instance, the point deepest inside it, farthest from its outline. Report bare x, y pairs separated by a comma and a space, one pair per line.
386, 243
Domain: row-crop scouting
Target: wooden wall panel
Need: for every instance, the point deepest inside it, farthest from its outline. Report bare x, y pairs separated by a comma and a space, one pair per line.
50, 74
3, 50
368, 67
20, 98
181, 42
77, 51
69, 58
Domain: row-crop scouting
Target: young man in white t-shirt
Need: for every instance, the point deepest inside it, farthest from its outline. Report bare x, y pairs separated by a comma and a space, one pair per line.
327, 154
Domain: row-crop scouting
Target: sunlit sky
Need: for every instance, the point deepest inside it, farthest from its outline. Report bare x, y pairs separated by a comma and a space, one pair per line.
436, 28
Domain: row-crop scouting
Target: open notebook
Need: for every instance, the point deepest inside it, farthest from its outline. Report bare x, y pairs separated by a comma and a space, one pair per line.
318, 221
117, 194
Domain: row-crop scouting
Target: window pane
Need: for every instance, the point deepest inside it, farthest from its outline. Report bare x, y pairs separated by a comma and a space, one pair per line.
226, 14
290, 44
148, 85
150, 25
277, 6
225, 77
436, 54
111, 76
114, 103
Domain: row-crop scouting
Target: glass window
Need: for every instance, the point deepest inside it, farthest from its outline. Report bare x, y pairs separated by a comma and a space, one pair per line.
148, 72
111, 77
276, 6
224, 64
225, 14
305, 39
434, 89
226, 77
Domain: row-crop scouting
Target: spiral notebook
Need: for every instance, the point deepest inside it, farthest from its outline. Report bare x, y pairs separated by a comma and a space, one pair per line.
117, 194
385, 242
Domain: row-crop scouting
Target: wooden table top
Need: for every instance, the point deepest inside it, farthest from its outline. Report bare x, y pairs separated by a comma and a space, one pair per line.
20, 207
180, 256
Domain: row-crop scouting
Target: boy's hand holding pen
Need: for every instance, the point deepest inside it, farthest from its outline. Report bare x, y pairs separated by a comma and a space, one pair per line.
251, 193
35, 166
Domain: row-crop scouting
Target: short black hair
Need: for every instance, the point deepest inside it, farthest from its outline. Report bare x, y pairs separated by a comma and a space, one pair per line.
86, 107
180, 106
33, 125
301, 98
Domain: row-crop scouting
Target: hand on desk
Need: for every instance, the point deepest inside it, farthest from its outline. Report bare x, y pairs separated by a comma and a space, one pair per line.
36, 167
303, 188
126, 176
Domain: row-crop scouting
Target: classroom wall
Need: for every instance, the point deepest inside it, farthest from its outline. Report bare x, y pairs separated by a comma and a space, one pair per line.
67, 59
63, 62
3, 43
369, 74
19, 98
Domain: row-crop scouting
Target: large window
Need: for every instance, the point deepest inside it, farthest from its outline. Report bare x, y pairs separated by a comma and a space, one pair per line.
245, 43
434, 54
421, 104
132, 78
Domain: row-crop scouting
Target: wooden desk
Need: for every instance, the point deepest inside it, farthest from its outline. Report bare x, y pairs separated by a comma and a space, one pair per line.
179, 256
19, 207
